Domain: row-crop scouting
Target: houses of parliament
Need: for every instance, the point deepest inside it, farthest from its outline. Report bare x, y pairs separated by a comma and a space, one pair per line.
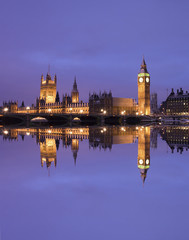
49, 101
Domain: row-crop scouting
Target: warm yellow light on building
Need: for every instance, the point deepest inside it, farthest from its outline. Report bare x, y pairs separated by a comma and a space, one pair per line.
27, 133
81, 111
104, 112
5, 109
104, 129
5, 132
49, 131
27, 108
49, 110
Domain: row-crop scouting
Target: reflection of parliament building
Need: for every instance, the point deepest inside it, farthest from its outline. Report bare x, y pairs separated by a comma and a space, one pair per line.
102, 103
102, 138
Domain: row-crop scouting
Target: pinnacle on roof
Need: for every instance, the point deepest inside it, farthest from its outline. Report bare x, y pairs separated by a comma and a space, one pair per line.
143, 67
74, 85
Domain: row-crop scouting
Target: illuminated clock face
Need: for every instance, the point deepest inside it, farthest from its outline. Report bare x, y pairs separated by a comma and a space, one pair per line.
140, 80
147, 161
147, 80
141, 161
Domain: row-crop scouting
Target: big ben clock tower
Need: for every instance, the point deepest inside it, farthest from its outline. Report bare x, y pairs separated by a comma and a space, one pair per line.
143, 90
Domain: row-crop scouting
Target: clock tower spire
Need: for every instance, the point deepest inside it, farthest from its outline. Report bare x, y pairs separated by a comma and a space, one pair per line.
143, 90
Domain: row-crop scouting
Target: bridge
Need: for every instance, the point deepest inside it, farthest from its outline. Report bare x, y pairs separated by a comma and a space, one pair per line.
68, 119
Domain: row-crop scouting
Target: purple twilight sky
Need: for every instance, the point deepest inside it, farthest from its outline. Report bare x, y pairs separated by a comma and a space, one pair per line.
101, 42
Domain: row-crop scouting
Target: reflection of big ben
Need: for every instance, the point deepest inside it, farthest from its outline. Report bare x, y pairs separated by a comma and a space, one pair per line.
48, 152
143, 90
144, 151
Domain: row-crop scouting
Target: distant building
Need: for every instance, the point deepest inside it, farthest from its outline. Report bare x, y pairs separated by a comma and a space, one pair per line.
153, 103
102, 103
10, 107
49, 101
105, 103
176, 103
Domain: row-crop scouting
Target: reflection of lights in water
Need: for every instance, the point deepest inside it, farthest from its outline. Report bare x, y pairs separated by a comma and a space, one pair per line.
123, 129
141, 161
5, 132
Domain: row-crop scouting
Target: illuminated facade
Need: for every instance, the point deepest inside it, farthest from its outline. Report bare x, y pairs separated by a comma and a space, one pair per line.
143, 90
143, 151
48, 89
177, 103
105, 103
68, 105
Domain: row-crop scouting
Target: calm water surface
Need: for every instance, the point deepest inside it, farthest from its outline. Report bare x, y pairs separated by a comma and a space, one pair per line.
94, 183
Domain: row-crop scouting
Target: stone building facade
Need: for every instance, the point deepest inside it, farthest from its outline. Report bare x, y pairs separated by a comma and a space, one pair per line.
177, 103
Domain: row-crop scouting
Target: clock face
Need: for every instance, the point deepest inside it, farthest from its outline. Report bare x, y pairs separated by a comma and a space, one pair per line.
141, 161
140, 80
147, 80
147, 161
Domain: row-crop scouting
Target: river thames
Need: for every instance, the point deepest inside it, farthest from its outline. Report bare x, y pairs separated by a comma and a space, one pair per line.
94, 183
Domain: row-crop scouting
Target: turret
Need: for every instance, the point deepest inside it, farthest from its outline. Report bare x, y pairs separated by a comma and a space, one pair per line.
55, 78
75, 93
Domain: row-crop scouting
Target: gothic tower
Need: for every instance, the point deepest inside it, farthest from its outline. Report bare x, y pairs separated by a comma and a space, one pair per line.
75, 93
48, 89
143, 90
143, 151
